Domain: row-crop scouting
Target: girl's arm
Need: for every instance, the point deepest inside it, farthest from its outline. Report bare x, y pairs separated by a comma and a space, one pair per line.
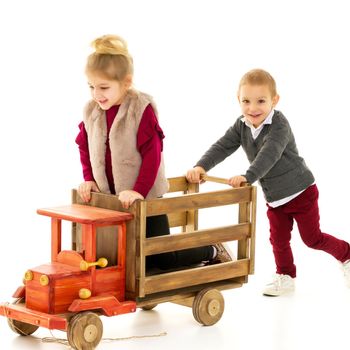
150, 145
85, 188
82, 142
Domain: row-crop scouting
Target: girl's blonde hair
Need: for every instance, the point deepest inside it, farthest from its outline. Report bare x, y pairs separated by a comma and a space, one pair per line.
259, 77
111, 58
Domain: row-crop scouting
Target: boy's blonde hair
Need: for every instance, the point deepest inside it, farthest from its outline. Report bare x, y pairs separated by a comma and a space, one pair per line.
111, 58
259, 77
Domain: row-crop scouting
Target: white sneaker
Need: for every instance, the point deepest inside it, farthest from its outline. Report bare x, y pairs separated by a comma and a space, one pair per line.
281, 285
346, 271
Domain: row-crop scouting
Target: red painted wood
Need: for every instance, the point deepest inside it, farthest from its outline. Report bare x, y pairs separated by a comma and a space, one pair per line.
85, 214
56, 238
109, 305
110, 281
44, 303
20, 313
69, 257
20, 292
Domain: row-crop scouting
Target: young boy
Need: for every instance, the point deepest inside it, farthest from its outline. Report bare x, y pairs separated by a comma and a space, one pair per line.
287, 183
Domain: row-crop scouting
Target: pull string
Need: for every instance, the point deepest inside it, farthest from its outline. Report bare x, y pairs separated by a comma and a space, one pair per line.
65, 342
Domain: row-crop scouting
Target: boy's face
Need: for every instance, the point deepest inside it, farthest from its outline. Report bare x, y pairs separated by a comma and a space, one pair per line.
106, 92
256, 102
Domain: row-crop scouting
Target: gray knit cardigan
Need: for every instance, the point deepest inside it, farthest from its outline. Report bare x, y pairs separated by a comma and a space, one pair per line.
273, 156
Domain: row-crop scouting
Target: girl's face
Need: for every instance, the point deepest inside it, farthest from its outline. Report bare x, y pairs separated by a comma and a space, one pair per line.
106, 92
256, 102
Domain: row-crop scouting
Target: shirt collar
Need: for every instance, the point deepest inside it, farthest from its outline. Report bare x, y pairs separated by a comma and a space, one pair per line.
268, 120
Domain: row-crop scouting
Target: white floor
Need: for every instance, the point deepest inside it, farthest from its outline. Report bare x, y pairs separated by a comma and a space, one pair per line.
314, 317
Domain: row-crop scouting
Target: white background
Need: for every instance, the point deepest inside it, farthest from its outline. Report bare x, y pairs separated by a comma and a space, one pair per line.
190, 56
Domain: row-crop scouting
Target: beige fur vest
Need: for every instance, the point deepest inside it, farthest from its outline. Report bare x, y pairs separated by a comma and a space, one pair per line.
126, 160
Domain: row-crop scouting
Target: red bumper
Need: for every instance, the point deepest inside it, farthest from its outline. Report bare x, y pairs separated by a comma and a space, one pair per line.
20, 313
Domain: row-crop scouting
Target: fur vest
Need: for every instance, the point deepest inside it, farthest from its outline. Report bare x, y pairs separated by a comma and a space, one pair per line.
126, 160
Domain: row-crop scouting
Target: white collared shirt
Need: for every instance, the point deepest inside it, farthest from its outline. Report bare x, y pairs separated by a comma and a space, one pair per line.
255, 133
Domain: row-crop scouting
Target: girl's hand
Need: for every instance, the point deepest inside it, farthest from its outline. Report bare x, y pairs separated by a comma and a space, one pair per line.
237, 181
194, 175
85, 189
128, 197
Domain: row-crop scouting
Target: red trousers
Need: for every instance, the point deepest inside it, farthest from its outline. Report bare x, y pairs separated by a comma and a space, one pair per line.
304, 210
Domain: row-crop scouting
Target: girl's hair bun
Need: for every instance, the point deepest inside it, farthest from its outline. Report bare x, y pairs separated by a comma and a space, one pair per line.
110, 44
110, 58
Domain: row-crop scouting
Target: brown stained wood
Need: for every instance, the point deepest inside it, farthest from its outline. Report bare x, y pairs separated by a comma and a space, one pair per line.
179, 209
162, 244
199, 275
132, 229
219, 180
192, 215
184, 302
198, 201
185, 293
85, 331
178, 184
253, 231
208, 306
177, 219
243, 216
142, 258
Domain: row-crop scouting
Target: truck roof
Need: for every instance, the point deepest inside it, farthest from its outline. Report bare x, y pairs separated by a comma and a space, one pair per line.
85, 214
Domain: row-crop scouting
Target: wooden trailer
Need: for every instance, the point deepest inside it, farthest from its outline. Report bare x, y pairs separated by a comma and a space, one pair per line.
197, 286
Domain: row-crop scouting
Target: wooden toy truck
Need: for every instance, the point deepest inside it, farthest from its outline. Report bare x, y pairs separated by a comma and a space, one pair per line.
105, 271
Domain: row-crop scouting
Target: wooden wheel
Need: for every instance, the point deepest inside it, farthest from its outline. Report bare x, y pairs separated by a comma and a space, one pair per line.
84, 331
208, 306
149, 307
20, 327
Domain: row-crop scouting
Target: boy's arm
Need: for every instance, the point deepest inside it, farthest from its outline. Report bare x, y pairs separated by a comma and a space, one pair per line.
222, 148
271, 151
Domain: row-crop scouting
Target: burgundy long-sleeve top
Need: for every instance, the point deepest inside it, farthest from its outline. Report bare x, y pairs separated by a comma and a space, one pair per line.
149, 144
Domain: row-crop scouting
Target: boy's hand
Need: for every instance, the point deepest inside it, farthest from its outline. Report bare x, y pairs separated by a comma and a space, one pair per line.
128, 197
194, 175
85, 189
237, 181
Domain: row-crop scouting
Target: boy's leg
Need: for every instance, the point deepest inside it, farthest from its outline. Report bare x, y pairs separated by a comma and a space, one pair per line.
281, 225
308, 220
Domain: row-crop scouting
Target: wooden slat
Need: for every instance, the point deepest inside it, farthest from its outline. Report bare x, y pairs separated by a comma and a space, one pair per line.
162, 244
192, 215
199, 275
187, 292
142, 258
177, 219
253, 231
56, 238
198, 201
243, 216
178, 184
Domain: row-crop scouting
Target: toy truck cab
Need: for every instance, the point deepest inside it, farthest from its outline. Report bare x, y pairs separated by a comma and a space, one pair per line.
73, 282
